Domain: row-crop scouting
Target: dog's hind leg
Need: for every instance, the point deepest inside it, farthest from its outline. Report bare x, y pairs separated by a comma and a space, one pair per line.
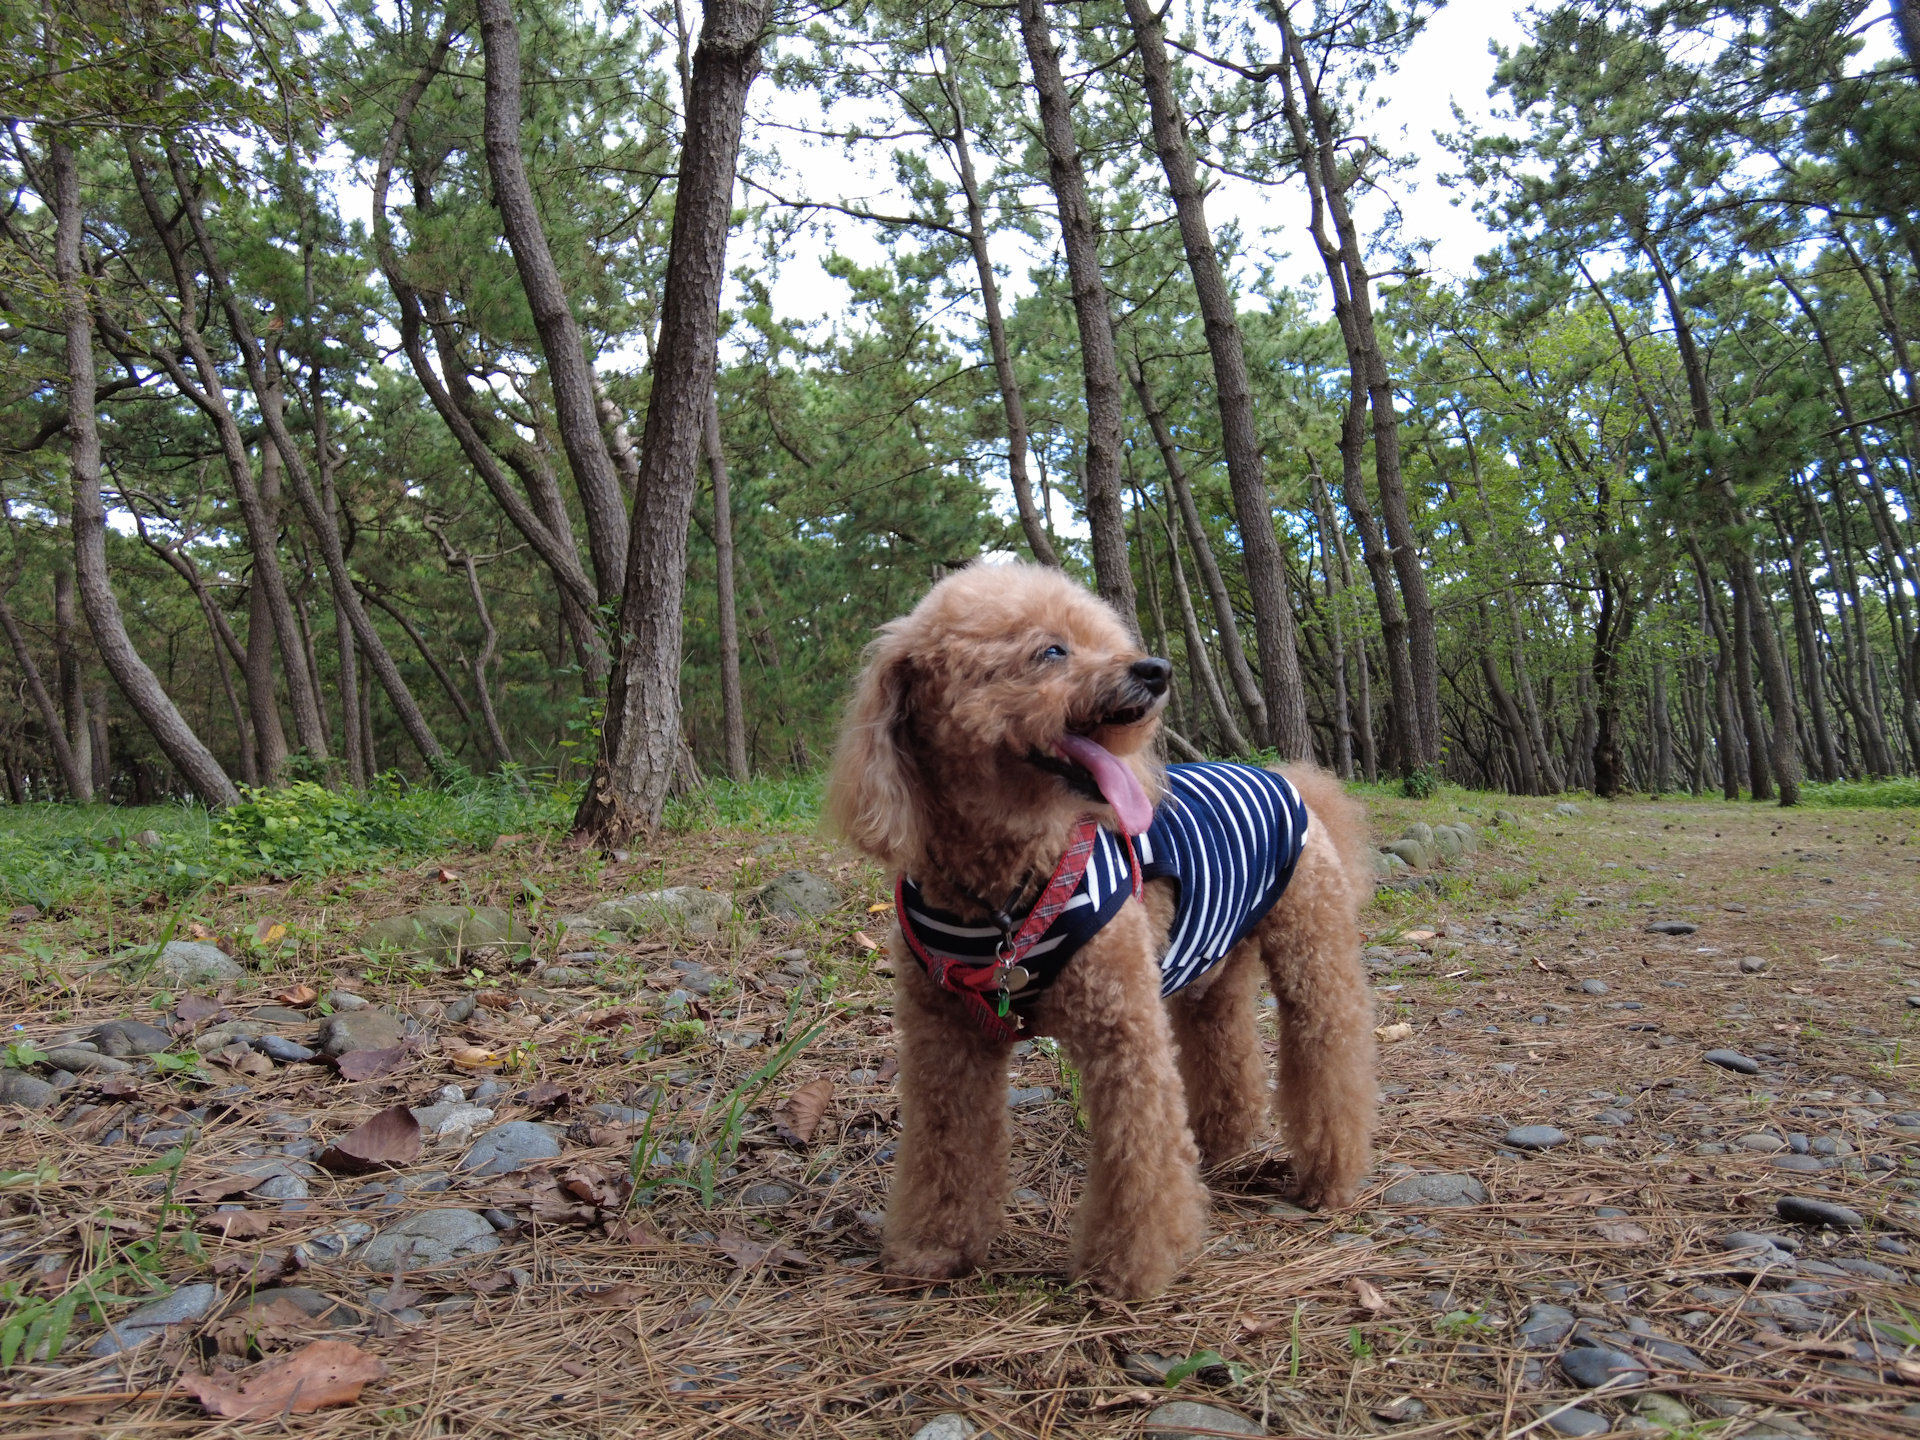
1326, 1096
950, 1180
1218, 1041
1144, 1210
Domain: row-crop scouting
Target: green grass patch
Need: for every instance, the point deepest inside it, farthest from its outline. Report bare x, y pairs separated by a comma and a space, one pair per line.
1900, 794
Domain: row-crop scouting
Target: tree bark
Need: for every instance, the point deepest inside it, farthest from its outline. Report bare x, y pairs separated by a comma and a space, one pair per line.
1285, 723
490, 638
1362, 681
138, 683
1235, 654
1031, 522
73, 696
568, 373
78, 782
225, 646
640, 736
1106, 520
357, 774
733, 715
1231, 739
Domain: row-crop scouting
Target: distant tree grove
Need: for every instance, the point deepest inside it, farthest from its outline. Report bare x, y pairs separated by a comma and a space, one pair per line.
404, 386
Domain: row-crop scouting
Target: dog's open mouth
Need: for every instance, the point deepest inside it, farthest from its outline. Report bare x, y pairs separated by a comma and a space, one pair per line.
1092, 770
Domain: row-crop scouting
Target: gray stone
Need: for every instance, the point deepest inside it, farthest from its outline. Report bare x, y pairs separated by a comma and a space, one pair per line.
278, 1015
567, 977
449, 1116
1544, 1326
459, 1011
1800, 1164
431, 1238
220, 1036
1591, 1366
1436, 1190
1871, 1270
1758, 1240
766, 1196
618, 1114
184, 1306
1022, 1096
1672, 927
445, 932
948, 1426
1535, 1137
1732, 1060
1447, 841
1505, 817
310, 1302
79, 1060
328, 1246
1594, 987
1752, 964
1566, 809
1889, 942
1419, 832
367, 1029
149, 840
1806, 1210
510, 1146
28, 1091
194, 962
1416, 855
278, 1047
345, 1000
1761, 1142
1184, 1418
121, 1038
1147, 1367
1385, 863
681, 907
795, 895
1579, 1422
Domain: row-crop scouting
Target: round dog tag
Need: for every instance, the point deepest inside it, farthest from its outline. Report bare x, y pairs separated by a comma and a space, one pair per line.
1017, 978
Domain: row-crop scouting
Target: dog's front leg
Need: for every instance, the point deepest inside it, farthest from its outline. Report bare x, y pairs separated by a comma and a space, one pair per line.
950, 1180
1144, 1211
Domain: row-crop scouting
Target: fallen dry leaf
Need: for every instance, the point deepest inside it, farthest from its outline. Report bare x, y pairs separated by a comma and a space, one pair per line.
216, 1187
1622, 1232
574, 1368
472, 1057
501, 842
371, 1064
1126, 1397
390, 1138
1367, 1296
494, 1000
269, 932
298, 995
798, 1116
195, 1009
323, 1374
254, 1270
607, 1186
116, 1087
20, 914
237, 1224
545, 1095
1399, 1030
748, 1253
446, 876
197, 931
889, 1068
865, 941
613, 1297
633, 1232
1418, 935
491, 1283
879, 907
244, 1060
1908, 1370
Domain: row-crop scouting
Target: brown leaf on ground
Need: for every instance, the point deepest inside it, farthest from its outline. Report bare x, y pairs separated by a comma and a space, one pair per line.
237, 1224
574, 1368
865, 941
446, 876
216, 1187
1399, 1030
501, 842
197, 1009
1127, 1397
491, 1283
798, 1116
494, 1000
197, 931
245, 1060
390, 1138
371, 1064
269, 932
1367, 1296
607, 1021
607, 1186
474, 1057
546, 1095
323, 1374
266, 1321
1908, 1370
298, 995
255, 1270
633, 1232
1622, 1232
889, 1068
116, 1087
613, 1297
749, 1253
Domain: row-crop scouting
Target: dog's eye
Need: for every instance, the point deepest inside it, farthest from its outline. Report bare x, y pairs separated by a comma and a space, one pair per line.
1054, 652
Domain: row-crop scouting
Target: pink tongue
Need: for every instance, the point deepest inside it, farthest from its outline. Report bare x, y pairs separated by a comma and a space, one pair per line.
1116, 781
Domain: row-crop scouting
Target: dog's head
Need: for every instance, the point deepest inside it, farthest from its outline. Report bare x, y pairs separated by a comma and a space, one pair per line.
1008, 700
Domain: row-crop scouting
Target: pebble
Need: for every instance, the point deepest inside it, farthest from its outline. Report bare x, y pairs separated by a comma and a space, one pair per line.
1184, 1418
1544, 1326
79, 1060
1592, 1366
1451, 1189
1761, 1141
121, 1038
1594, 987
1800, 1164
1871, 1271
183, 1306
1664, 1410
449, 1116
367, 1029
510, 1146
1752, 964
767, 1196
278, 1047
1535, 1137
1732, 1060
1022, 1096
567, 977
949, 1426
29, 1091
1579, 1422
1672, 927
1805, 1210
339, 1000
433, 1237
458, 1012
194, 962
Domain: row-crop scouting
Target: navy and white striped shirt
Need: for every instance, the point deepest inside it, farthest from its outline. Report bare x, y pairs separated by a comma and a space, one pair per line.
1229, 836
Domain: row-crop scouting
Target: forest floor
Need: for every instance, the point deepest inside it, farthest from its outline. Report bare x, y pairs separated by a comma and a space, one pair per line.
737, 1293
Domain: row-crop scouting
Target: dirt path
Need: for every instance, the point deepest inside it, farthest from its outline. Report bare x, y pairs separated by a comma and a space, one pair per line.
1533, 993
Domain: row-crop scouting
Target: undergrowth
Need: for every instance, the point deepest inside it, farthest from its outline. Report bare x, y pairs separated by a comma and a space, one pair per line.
1899, 794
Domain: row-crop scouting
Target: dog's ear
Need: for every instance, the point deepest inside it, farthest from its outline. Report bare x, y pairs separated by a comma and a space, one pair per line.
871, 794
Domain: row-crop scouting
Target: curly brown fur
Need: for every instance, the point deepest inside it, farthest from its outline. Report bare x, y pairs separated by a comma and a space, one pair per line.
945, 770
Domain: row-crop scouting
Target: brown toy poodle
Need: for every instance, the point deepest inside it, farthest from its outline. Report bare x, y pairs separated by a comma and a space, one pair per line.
1054, 878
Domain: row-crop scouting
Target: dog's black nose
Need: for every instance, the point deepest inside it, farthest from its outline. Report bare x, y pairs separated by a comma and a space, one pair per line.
1153, 672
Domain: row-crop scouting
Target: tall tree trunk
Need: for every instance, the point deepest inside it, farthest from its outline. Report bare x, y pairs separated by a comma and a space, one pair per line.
257, 669
568, 372
1244, 685
79, 783
102, 745
733, 713
1322, 162
1032, 524
1662, 730
1342, 705
1759, 772
349, 687
138, 683
1239, 434
1363, 682
225, 646
640, 739
66, 657
1230, 737
1149, 567
1106, 520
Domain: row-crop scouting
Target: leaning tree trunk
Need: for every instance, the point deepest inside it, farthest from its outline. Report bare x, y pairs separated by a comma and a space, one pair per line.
568, 373
640, 738
1032, 524
733, 714
138, 683
73, 696
1285, 724
79, 783
1106, 520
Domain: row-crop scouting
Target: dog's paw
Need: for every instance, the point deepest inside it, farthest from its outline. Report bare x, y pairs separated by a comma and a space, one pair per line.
1128, 1280
925, 1262
1313, 1194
